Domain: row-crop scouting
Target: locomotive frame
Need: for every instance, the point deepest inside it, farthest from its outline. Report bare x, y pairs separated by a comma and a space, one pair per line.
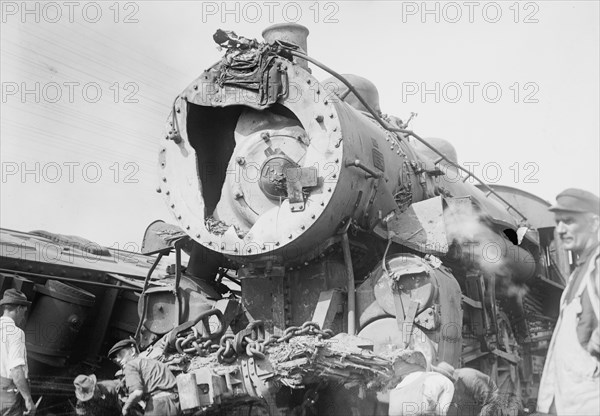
348, 250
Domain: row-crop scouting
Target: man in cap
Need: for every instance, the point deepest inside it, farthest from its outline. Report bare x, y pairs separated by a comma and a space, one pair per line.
146, 379
476, 394
15, 395
96, 398
570, 383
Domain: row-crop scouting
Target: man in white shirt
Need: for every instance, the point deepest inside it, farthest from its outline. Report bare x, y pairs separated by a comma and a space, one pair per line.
421, 391
15, 395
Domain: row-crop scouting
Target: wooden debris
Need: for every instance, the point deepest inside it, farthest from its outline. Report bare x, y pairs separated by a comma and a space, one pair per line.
306, 359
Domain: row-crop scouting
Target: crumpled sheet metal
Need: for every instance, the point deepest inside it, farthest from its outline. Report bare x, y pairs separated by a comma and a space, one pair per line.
307, 359
248, 65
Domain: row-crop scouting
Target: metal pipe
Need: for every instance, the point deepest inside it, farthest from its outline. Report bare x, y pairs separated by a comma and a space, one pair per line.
70, 279
177, 266
351, 288
357, 163
289, 32
386, 126
143, 295
177, 281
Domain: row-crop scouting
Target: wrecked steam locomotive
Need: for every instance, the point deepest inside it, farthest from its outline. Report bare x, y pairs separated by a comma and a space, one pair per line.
336, 219
336, 214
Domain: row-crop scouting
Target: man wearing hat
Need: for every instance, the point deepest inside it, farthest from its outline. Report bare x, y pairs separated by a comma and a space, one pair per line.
570, 383
420, 391
15, 395
96, 398
146, 379
476, 394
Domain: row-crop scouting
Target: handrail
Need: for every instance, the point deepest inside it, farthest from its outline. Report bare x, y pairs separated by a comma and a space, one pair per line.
143, 295
386, 126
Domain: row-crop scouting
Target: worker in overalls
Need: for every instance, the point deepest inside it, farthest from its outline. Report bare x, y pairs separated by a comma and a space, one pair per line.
146, 379
570, 383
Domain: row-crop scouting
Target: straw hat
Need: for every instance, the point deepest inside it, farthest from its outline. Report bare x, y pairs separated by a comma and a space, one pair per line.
84, 387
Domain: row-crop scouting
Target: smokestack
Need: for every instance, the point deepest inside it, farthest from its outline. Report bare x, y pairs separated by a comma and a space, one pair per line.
289, 32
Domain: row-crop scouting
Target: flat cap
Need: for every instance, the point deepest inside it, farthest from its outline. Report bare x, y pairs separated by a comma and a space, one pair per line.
14, 297
124, 343
576, 200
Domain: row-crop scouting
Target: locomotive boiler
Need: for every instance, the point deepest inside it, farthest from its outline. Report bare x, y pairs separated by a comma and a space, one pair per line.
307, 214
334, 213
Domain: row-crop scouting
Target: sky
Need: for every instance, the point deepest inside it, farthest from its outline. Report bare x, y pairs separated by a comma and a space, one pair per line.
87, 88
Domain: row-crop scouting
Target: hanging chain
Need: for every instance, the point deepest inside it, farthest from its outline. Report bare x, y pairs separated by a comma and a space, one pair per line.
252, 340
308, 328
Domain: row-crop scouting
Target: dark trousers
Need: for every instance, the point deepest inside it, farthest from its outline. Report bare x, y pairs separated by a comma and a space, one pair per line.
11, 401
163, 404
